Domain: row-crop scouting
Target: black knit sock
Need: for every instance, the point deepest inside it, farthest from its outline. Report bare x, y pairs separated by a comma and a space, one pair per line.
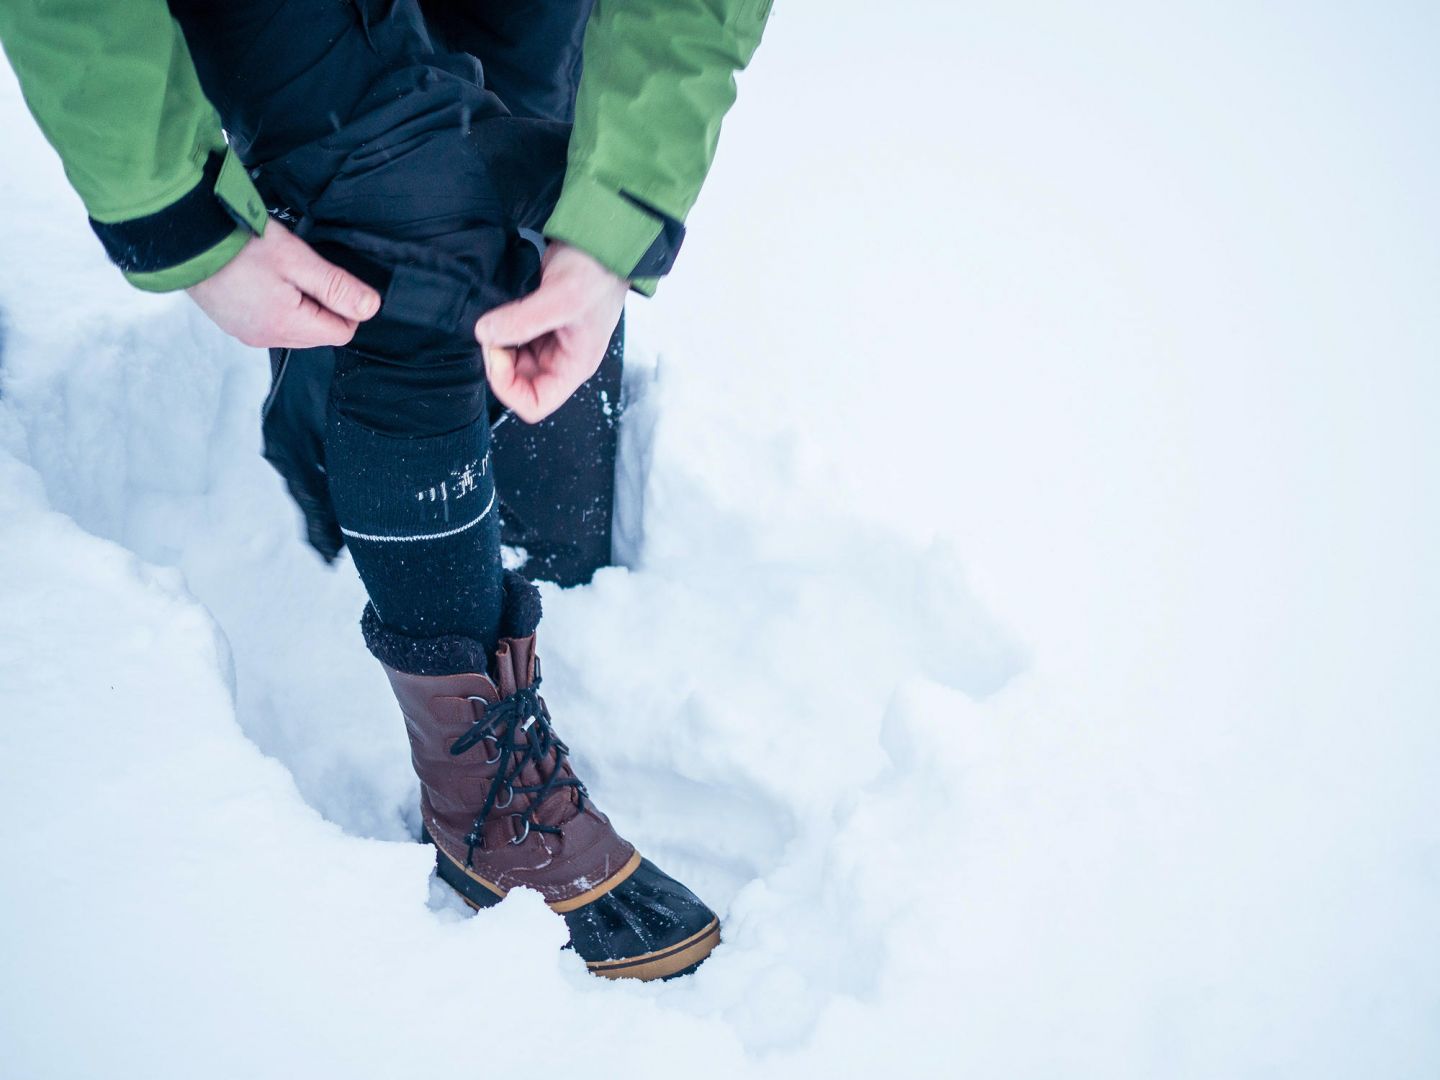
421, 521
451, 654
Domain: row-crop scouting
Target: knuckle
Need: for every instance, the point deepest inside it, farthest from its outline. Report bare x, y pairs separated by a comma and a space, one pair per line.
336, 286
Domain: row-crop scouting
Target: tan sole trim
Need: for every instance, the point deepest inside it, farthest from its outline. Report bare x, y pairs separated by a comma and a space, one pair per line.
496, 889
560, 906
631, 865
663, 962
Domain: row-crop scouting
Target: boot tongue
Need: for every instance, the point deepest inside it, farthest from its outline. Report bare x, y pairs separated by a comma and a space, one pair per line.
515, 664
515, 670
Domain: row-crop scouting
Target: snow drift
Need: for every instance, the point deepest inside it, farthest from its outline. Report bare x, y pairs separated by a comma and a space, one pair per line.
1152, 796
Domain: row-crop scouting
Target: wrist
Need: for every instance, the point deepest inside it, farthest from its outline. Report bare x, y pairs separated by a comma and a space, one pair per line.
194, 236
578, 261
633, 240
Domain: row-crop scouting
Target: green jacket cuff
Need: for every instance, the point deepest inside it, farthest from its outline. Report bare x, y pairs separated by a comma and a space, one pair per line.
193, 236
597, 219
236, 190
191, 271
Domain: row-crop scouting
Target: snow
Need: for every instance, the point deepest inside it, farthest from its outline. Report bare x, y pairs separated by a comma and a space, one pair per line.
1025, 637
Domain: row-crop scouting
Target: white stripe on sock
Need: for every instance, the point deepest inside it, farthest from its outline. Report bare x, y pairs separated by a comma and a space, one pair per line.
425, 536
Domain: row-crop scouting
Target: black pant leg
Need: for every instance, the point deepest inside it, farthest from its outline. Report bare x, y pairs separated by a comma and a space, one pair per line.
556, 479
295, 82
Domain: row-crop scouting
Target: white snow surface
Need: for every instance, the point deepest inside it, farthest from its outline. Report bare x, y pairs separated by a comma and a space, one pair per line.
1026, 638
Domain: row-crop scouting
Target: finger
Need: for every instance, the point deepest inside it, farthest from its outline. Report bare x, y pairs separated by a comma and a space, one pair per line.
500, 373
511, 379
499, 367
550, 391
547, 308
546, 384
336, 289
524, 407
311, 325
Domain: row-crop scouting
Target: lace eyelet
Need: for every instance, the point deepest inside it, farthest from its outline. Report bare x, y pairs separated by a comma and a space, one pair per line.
498, 752
509, 798
521, 838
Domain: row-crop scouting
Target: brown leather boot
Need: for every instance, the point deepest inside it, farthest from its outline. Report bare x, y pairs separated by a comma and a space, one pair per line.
504, 808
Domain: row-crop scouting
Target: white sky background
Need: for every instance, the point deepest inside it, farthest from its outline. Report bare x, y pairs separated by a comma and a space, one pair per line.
1142, 306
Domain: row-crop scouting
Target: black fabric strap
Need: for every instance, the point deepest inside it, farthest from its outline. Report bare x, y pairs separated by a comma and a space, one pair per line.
660, 256
190, 226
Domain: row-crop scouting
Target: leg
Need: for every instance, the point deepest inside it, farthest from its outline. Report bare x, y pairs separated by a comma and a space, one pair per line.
419, 515
557, 478
379, 214
407, 463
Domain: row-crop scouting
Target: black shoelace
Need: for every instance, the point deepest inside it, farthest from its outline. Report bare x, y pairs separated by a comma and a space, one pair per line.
519, 727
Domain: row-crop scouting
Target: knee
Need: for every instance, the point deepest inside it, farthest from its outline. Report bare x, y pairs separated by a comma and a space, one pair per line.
413, 398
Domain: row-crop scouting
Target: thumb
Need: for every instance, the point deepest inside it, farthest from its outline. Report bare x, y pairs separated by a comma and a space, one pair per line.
333, 288
499, 370
522, 321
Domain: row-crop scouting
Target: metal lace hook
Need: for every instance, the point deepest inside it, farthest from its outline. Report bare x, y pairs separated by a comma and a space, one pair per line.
491, 739
521, 838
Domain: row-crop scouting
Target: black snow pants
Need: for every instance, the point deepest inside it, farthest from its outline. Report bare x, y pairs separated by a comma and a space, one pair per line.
420, 144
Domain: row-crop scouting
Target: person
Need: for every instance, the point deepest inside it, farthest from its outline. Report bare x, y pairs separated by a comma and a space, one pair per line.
431, 212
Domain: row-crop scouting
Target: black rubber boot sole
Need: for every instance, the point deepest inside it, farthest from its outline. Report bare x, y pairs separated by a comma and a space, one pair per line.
649, 926
473, 889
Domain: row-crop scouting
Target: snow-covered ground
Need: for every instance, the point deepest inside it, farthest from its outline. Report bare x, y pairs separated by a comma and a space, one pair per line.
1028, 635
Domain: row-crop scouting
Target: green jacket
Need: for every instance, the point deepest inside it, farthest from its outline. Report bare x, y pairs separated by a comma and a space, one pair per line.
112, 86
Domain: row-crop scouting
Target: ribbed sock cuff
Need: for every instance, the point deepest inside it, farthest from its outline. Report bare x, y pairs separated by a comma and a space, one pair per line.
452, 654
448, 654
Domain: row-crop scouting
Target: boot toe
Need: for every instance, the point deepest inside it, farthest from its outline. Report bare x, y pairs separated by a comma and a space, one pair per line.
648, 927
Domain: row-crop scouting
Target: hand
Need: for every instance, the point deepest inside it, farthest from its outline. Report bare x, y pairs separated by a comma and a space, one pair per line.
277, 293
539, 349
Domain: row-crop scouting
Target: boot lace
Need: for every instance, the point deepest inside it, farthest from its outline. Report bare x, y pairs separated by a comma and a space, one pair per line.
519, 726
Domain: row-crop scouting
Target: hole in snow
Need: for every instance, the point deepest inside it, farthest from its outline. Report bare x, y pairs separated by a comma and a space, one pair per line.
723, 689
